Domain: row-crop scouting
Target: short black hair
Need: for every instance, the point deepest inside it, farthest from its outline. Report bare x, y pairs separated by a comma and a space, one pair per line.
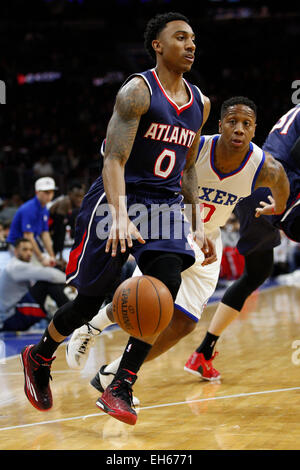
21, 240
156, 25
75, 185
238, 100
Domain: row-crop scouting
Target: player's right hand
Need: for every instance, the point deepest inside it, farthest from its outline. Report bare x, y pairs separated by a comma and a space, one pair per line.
122, 232
209, 251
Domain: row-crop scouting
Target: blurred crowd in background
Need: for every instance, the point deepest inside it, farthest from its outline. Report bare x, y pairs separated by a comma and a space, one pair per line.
64, 60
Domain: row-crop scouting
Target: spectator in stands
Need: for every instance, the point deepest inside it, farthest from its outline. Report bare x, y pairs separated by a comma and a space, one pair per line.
6, 229
43, 168
9, 207
284, 256
24, 287
3, 236
31, 222
232, 264
63, 213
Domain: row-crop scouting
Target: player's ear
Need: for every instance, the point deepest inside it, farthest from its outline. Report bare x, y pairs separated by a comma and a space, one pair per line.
220, 126
157, 46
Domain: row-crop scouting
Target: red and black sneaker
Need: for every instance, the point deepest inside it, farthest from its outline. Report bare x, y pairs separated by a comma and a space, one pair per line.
37, 377
198, 365
117, 398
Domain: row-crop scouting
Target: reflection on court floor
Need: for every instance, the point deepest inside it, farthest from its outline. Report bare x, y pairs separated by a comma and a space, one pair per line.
254, 406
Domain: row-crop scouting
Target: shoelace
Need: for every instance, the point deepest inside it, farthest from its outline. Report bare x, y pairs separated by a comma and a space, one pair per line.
209, 361
42, 376
42, 373
123, 390
102, 371
85, 339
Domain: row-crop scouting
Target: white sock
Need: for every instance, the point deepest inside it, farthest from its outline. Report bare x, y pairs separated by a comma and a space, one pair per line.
113, 366
101, 320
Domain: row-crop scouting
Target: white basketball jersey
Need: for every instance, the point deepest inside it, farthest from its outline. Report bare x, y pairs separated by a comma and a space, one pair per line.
220, 193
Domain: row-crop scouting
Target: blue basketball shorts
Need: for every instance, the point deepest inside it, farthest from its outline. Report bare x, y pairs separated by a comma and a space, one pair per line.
159, 219
256, 233
262, 233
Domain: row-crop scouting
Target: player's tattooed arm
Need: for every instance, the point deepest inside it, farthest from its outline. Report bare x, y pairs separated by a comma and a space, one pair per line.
189, 177
133, 100
189, 185
190, 193
273, 176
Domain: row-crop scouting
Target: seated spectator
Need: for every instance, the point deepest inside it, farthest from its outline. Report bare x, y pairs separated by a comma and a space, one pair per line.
63, 213
31, 222
6, 229
24, 288
232, 264
284, 262
3, 236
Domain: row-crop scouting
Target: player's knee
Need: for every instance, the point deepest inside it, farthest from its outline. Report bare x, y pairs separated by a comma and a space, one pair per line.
172, 281
75, 313
167, 268
87, 307
240, 290
258, 267
255, 278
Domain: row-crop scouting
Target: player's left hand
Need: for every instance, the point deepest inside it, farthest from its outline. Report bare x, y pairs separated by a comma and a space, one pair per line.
267, 208
209, 251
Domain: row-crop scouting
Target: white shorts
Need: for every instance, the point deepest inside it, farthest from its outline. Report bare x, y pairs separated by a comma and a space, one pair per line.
198, 282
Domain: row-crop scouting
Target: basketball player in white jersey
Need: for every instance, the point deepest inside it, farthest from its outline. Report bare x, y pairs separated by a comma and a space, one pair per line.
229, 167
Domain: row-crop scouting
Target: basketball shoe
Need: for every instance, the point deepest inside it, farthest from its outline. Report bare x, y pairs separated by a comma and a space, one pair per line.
77, 351
117, 398
198, 365
37, 377
102, 380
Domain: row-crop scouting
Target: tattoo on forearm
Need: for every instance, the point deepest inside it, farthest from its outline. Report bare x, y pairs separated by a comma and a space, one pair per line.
132, 102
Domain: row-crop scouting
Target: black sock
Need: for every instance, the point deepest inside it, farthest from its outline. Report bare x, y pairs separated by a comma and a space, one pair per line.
207, 345
134, 355
46, 347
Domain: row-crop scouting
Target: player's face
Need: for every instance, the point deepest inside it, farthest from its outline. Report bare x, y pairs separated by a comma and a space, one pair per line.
24, 251
176, 46
238, 127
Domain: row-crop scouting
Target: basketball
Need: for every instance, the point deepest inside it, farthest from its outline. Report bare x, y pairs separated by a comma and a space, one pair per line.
142, 306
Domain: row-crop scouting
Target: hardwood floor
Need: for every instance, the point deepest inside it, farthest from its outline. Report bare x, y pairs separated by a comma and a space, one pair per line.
256, 405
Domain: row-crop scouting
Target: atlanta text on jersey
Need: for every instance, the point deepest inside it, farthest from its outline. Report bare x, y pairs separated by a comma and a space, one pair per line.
171, 134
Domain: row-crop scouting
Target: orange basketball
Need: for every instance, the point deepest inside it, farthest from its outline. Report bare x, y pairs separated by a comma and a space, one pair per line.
143, 306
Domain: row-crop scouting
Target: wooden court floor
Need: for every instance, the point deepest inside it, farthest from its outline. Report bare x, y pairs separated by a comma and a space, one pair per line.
255, 406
